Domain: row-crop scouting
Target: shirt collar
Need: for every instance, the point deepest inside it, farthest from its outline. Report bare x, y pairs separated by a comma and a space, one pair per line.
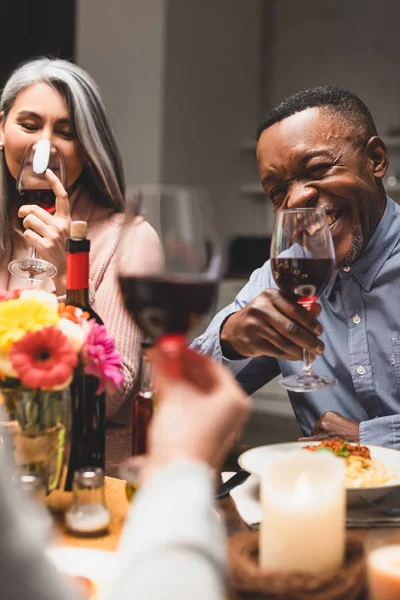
378, 250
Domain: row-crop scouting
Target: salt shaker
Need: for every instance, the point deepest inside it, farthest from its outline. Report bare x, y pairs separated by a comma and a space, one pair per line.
88, 514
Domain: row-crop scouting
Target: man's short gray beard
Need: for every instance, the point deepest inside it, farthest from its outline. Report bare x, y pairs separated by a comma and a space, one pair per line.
355, 250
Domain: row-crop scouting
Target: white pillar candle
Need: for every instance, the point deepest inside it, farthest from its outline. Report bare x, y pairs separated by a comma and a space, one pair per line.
383, 566
303, 500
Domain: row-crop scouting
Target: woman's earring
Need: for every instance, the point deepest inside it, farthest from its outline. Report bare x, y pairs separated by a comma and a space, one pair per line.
1, 146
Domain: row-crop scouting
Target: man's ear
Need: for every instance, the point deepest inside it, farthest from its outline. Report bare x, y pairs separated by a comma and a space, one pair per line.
378, 155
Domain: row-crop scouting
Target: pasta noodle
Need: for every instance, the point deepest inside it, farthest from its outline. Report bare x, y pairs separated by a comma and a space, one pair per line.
361, 469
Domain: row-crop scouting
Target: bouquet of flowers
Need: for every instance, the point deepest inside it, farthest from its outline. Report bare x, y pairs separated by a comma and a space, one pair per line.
44, 343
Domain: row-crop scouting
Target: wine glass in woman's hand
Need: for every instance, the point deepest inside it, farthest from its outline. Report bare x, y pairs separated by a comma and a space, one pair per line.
178, 285
34, 188
302, 262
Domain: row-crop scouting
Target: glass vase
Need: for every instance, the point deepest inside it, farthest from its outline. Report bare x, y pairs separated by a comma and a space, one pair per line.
35, 428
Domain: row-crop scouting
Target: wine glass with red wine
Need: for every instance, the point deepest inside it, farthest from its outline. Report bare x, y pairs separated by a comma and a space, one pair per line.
302, 262
177, 286
34, 188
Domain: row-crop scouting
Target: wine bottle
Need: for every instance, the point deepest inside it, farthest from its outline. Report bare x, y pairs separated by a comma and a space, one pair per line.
88, 431
143, 404
143, 408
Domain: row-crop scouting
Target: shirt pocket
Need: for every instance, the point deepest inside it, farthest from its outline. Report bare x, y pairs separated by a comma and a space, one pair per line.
396, 358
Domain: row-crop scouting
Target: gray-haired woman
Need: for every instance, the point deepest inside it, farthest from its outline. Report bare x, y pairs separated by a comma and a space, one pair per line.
57, 100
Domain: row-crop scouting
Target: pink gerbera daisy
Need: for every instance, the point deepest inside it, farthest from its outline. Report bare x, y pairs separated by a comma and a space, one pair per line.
101, 358
44, 359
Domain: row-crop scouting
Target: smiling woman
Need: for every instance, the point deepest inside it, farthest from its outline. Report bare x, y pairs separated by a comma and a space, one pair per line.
55, 100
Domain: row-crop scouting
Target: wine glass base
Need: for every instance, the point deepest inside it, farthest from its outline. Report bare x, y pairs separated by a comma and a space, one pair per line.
307, 381
32, 268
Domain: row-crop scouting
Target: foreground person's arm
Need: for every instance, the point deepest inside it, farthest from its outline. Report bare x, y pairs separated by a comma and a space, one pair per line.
25, 572
173, 545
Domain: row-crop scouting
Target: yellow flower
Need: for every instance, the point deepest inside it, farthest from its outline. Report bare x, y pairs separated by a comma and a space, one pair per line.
22, 315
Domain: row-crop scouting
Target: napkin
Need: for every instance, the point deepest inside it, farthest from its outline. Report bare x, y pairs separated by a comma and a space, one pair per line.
373, 514
246, 497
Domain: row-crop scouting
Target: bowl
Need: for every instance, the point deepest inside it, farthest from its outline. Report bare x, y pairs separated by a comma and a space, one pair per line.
255, 460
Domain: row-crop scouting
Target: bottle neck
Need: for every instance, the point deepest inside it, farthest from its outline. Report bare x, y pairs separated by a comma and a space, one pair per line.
78, 272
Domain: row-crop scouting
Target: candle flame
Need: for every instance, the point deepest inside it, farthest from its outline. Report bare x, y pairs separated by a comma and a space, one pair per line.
303, 488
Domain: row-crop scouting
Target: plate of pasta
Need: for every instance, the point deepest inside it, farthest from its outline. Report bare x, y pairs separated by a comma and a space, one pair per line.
371, 471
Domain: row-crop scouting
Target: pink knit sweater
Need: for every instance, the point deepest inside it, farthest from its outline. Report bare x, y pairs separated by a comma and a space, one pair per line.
104, 232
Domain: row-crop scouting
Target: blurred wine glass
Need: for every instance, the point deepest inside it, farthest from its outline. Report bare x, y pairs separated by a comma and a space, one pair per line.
34, 188
303, 261
184, 260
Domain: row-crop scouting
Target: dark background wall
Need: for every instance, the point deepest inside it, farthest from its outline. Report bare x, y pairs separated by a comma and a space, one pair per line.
32, 28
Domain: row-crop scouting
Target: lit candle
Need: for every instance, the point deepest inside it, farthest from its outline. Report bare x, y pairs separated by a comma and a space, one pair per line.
303, 500
383, 566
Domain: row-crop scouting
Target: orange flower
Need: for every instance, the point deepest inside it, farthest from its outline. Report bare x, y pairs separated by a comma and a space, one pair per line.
44, 359
67, 311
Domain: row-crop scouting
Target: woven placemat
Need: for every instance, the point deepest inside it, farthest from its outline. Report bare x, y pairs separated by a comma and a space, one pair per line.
252, 583
117, 504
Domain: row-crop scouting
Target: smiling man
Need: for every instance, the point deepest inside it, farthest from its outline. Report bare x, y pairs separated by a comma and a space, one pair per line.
320, 148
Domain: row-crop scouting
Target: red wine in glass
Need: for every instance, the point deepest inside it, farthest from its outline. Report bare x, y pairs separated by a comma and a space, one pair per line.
302, 280
302, 263
182, 273
162, 306
45, 199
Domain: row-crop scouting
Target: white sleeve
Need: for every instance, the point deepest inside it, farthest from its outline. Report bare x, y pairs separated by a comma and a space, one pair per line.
173, 544
25, 572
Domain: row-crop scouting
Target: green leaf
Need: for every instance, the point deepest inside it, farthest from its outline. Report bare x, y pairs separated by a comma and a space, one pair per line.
343, 450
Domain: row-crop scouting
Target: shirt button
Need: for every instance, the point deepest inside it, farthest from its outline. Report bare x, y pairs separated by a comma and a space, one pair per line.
361, 371
346, 269
356, 319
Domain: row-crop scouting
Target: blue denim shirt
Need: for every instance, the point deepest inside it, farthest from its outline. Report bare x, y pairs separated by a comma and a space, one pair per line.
361, 320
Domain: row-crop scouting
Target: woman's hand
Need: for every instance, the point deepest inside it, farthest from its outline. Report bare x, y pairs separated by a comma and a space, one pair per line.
48, 233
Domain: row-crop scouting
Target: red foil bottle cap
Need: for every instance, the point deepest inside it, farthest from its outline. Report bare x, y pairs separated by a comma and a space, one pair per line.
77, 270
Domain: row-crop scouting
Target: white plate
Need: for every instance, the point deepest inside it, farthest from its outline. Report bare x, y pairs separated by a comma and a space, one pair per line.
254, 461
97, 565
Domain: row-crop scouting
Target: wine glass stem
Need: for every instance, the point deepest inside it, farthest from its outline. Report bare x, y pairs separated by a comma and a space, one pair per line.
306, 361
34, 253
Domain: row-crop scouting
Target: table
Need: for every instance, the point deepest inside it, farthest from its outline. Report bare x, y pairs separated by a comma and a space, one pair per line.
118, 445
116, 498
118, 448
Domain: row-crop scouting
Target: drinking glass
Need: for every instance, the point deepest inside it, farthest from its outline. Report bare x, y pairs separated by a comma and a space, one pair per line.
179, 284
302, 262
34, 188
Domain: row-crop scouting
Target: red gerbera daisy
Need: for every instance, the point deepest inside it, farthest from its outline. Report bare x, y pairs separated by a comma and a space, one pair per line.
44, 359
